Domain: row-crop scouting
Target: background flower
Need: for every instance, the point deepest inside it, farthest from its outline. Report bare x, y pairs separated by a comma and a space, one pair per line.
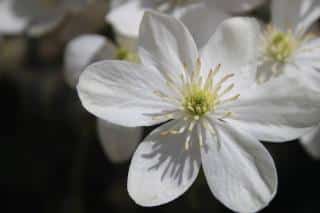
117, 142
35, 16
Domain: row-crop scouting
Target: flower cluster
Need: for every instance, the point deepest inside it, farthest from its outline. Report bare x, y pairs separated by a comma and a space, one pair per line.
215, 84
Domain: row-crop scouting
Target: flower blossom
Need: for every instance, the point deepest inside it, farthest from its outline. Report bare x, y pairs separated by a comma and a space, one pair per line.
211, 109
35, 16
117, 142
126, 15
289, 50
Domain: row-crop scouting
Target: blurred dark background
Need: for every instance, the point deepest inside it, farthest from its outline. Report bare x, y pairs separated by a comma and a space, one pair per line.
52, 162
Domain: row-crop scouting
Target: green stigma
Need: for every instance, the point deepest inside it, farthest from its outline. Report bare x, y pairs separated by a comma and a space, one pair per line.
126, 55
198, 101
280, 45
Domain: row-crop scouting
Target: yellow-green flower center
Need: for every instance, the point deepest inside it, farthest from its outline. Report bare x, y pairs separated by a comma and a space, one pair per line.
280, 45
198, 101
126, 55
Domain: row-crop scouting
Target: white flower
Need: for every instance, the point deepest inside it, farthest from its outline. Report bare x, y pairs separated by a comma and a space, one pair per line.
34, 16
289, 51
126, 15
213, 109
287, 48
311, 142
117, 142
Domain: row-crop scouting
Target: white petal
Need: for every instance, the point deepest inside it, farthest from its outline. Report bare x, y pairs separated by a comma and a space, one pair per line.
39, 26
209, 17
126, 18
118, 142
311, 142
166, 44
123, 93
309, 53
279, 110
307, 71
10, 22
237, 6
81, 51
233, 46
298, 17
239, 170
162, 169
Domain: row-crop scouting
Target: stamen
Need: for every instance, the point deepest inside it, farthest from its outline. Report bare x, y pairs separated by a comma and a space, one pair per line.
185, 74
233, 98
211, 75
226, 115
191, 126
200, 138
187, 142
196, 72
208, 126
228, 89
224, 79
166, 97
167, 116
173, 131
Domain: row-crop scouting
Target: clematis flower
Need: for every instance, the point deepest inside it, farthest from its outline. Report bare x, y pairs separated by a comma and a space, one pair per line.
126, 15
287, 47
213, 110
289, 51
117, 142
34, 16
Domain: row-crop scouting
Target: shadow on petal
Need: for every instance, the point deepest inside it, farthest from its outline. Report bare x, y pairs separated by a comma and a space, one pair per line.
162, 167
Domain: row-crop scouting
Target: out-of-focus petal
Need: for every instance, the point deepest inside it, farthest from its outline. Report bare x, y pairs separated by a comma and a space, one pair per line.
82, 51
311, 142
118, 142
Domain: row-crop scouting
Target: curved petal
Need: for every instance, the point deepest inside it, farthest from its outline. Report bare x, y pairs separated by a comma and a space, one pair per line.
81, 51
10, 22
209, 17
307, 69
162, 169
166, 44
275, 111
123, 93
238, 6
307, 60
311, 142
118, 142
126, 18
239, 170
40, 26
298, 17
233, 46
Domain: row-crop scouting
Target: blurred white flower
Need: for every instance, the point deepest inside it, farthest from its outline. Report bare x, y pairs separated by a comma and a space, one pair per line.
214, 112
34, 16
117, 142
287, 48
289, 51
126, 15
